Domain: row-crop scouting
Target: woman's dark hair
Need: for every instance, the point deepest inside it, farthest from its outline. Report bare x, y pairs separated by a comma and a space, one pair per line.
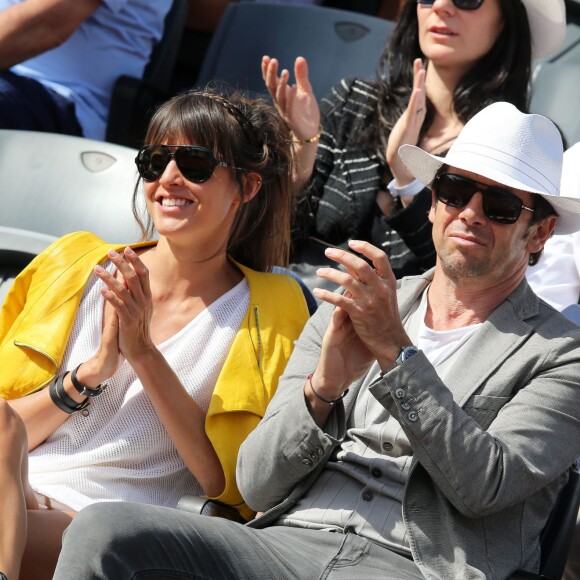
503, 74
246, 133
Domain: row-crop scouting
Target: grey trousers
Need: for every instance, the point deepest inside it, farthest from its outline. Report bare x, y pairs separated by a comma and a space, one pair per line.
124, 541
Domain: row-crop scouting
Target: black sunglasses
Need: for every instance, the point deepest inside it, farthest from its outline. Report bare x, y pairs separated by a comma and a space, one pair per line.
461, 4
499, 205
195, 163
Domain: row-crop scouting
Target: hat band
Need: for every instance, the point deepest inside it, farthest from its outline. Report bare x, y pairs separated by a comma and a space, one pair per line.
505, 168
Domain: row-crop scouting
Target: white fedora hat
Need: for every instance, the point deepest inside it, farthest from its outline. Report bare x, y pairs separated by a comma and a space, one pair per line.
547, 20
509, 147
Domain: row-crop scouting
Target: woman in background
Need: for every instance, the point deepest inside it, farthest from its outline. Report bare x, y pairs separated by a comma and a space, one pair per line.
446, 60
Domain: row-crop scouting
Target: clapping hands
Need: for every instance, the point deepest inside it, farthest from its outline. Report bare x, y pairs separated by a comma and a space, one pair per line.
127, 315
296, 103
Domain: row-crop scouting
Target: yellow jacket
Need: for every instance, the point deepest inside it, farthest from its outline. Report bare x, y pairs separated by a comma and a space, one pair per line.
40, 308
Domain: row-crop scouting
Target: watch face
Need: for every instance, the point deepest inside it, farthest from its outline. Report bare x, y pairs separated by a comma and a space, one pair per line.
408, 352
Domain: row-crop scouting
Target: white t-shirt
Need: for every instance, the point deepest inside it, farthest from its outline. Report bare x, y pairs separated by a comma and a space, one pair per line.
120, 451
117, 39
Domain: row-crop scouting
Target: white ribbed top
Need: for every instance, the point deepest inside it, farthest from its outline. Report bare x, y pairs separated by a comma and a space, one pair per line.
120, 451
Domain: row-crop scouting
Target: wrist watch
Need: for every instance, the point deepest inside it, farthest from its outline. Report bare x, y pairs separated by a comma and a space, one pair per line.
406, 353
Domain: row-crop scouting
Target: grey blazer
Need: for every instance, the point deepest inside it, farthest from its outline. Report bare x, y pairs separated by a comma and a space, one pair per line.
488, 460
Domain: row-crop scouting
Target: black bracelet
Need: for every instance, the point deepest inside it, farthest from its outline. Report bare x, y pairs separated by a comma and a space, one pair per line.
83, 389
330, 402
61, 399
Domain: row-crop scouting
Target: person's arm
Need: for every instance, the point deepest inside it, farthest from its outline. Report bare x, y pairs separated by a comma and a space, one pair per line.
408, 128
204, 15
287, 445
413, 226
556, 278
534, 430
182, 418
33, 27
300, 430
297, 105
40, 414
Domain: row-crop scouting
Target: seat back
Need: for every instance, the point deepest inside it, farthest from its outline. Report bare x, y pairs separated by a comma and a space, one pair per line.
53, 184
559, 530
336, 43
17, 249
554, 85
133, 99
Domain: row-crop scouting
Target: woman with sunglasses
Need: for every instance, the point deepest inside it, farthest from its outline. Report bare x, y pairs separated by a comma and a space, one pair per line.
446, 60
145, 366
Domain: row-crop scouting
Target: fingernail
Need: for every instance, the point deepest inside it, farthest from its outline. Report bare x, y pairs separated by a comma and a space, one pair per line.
99, 269
113, 254
129, 251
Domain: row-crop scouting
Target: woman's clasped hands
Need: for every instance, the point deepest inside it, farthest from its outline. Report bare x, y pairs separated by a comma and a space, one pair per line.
128, 311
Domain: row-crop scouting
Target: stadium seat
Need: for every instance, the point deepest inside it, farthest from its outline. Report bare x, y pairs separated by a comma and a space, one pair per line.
54, 184
336, 43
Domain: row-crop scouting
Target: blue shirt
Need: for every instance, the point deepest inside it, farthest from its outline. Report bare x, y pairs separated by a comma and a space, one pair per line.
117, 39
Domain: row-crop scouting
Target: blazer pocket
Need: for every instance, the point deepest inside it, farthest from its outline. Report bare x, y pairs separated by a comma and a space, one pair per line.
484, 408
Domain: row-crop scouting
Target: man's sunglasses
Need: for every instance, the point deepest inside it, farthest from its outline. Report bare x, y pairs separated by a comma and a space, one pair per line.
461, 4
499, 205
196, 164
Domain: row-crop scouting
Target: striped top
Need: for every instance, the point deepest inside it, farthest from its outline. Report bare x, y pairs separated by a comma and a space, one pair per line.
339, 204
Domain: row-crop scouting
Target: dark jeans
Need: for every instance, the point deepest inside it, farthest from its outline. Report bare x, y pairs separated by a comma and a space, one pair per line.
125, 541
28, 105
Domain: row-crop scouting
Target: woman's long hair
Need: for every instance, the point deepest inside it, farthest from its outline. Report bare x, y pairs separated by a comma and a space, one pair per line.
503, 74
246, 133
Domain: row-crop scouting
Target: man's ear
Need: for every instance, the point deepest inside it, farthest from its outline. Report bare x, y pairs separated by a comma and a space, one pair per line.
540, 232
252, 182
433, 207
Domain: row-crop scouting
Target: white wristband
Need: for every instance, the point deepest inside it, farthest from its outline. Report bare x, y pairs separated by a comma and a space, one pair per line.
406, 191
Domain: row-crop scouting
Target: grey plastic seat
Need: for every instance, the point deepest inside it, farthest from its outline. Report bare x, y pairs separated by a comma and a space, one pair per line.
554, 88
55, 184
336, 43
17, 249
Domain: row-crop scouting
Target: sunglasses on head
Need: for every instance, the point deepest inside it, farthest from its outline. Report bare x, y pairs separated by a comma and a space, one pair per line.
195, 163
461, 4
499, 205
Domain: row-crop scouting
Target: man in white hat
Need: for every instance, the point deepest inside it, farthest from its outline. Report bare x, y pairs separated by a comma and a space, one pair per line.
422, 428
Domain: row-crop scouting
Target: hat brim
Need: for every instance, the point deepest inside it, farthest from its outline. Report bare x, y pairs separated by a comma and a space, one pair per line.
424, 167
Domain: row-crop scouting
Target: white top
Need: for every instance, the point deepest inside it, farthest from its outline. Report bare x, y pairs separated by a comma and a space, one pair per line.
439, 345
120, 451
117, 39
556, 278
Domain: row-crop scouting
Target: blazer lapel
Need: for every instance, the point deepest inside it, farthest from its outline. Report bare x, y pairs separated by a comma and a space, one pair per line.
499, 337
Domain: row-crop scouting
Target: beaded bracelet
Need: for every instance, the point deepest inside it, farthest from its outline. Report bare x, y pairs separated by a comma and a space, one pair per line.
314, 139
329, 402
